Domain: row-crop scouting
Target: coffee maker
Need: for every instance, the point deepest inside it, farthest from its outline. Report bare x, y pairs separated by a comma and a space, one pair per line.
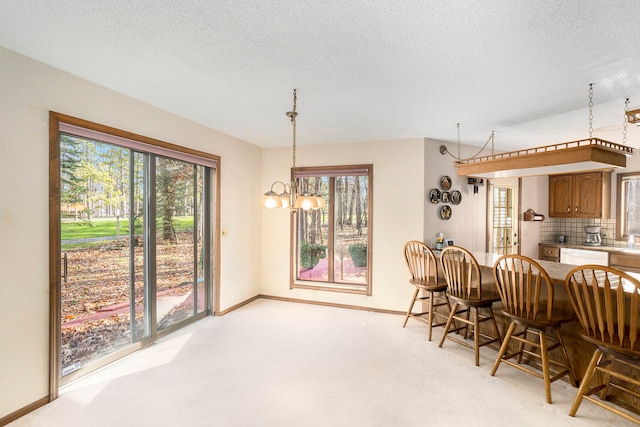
593, 235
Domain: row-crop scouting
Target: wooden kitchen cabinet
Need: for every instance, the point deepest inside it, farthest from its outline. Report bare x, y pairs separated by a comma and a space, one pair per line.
549, 252
625, 261
583, 195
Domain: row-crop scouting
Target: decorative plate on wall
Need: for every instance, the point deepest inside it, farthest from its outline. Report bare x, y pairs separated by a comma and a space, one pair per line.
445, 212
445, 197
445, 183
434, 196
456, 197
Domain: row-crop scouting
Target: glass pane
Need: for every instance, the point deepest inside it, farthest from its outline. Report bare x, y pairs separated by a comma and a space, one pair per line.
97, 250
175, 243
351, 229
200, 294
502, 219
138, 244
631, 192
313, 234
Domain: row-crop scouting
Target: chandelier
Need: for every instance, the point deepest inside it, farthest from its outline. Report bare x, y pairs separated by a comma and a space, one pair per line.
292, 195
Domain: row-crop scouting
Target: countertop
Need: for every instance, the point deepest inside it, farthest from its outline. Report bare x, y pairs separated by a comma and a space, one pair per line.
594, 248
557, 271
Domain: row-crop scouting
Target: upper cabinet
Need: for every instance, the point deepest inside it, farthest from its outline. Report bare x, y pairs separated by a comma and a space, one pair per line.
583, 195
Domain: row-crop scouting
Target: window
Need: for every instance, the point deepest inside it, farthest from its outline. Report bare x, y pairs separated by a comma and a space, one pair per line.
332, 245
133, 242
628, 207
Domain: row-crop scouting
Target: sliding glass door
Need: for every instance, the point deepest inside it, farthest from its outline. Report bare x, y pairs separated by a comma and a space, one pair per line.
179, 245
135, 248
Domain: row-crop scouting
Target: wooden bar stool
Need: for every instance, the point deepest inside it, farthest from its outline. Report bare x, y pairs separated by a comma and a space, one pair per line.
430, 289
464, 288
526, 292
606, 302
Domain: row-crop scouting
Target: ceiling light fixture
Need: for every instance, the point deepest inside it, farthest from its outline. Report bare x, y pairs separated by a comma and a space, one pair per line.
566, 157
293, 195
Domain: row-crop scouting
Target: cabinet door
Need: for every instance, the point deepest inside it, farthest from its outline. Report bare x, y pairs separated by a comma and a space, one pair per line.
587, 195
560, 196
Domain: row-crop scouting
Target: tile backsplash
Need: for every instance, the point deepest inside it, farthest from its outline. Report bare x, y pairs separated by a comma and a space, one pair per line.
573, 229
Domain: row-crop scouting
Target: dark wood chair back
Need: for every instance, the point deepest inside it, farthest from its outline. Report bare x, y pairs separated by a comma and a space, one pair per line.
525, 287
421, 263
606, 302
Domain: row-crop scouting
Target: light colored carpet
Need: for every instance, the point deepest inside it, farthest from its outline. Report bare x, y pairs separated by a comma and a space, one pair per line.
274, 363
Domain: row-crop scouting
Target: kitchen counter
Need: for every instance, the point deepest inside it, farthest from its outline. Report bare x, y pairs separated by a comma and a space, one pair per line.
593, 248
579, 350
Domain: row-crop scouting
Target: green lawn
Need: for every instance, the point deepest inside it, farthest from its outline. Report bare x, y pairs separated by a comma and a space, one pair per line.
104, 227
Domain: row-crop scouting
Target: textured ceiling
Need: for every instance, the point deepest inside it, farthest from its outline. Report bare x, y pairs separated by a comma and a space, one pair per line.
364, 70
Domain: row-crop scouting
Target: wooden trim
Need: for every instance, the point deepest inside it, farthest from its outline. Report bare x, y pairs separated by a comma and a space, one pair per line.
619, 213
55, 273
24, 411
216, 244
243, 303
633, 116
519, 216
133, 136
332, 172
329, 304
330, 287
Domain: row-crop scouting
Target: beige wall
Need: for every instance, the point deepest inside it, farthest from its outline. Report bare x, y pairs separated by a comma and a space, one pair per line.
29, 91
398, 193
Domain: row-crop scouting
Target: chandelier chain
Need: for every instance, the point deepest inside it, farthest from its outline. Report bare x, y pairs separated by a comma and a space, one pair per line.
590, 109
492, 140
292, 115
626, 120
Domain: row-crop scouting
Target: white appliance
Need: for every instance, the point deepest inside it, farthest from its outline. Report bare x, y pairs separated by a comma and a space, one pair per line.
583, 256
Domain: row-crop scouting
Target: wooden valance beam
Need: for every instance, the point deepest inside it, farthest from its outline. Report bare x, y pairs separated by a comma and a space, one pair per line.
574, 156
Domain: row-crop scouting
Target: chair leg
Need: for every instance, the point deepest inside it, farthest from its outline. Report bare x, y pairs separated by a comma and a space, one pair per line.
449, 305
430, 315
413, 301
476, 334
606, 378
495, 325
565, 355
521, 345
466, 328
503, 348
584, 385
448, 325
544, 356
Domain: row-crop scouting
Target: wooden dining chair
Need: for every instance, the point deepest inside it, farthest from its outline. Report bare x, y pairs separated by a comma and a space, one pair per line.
526, 292
465, 289
606, 302
429, 287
